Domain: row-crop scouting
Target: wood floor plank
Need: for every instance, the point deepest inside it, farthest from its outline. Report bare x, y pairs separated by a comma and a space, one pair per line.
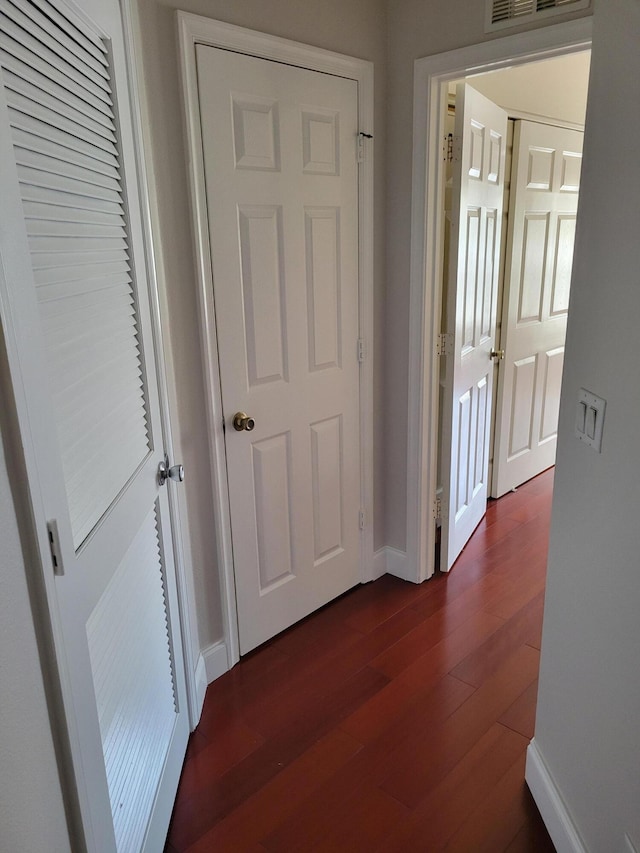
394, 719
452, 615
218, 757
307, 686
419, 769
429, 708
497, 821
268, 808
521, 716
336, 823
427, 667
487, 657
196, 814
533, 836
463, 790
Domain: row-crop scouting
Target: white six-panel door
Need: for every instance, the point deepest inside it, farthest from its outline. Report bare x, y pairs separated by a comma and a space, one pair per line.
478, 186
279, 146
77, 321
542, 223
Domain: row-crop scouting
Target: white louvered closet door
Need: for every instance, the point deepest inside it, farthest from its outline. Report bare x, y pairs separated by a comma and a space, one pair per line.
76, 311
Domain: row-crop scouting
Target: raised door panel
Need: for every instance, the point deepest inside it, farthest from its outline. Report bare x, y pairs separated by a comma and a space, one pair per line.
533, 266
322, 245
327, 468
524, 384
562, 265
471, 278
552, 382
264, 296
273, 494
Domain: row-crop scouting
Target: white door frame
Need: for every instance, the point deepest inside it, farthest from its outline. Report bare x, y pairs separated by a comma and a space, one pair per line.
426, 253
194, 29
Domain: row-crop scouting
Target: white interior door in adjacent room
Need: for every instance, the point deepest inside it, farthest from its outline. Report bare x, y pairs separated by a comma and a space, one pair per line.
478, 187
542, 224
281, 177
76, 315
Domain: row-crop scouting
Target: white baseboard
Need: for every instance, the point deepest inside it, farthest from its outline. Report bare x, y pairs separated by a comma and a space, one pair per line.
379, 564
216, 660
398, 565
390, 561
212, 663
557, 819
201, 689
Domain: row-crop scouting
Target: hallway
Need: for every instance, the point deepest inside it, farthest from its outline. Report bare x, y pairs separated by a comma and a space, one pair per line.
396, 718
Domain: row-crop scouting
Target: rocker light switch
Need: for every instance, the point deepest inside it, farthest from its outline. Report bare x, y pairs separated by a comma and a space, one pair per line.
590, 419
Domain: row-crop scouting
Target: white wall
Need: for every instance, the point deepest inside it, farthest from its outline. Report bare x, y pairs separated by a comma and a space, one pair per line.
589, 699
416, 28
32, 816
353, 27
552, 88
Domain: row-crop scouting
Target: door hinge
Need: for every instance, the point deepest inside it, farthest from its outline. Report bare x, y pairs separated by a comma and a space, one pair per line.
437, 509
360, 150
444, 344
54, 547
363, 519
362, 349
447, 148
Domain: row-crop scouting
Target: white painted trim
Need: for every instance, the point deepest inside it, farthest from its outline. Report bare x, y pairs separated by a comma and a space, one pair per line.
200, 678
398, 565
554, 122
192, 30
379, 564
426, 253
216, 660
555, 815
164, 359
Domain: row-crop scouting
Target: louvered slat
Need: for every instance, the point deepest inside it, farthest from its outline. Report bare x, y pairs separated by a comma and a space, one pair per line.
88, 41
506, 9
18, 102
56, 64
28, 141
133, 683
46, 260
67, 145
501, 13
80, 114
58, 280
57, 87
78, 98
33, 22
62, 184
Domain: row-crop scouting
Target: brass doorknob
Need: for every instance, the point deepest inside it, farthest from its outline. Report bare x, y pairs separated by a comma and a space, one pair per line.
242, 421
497, 353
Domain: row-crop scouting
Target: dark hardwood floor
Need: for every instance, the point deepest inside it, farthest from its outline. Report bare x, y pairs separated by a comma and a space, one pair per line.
394, 719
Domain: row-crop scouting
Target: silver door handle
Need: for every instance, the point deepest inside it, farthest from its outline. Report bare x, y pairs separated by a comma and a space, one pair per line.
175, 472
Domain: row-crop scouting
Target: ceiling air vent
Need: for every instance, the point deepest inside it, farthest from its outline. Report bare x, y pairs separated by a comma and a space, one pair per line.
512, 13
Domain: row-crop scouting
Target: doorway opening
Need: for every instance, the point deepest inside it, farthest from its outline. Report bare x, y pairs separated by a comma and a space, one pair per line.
505, 300
430, 105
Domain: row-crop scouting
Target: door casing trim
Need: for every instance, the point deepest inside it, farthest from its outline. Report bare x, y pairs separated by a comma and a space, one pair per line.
426, 254
195, 29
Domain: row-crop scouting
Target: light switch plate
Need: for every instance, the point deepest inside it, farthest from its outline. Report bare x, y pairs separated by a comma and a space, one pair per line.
590, 418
